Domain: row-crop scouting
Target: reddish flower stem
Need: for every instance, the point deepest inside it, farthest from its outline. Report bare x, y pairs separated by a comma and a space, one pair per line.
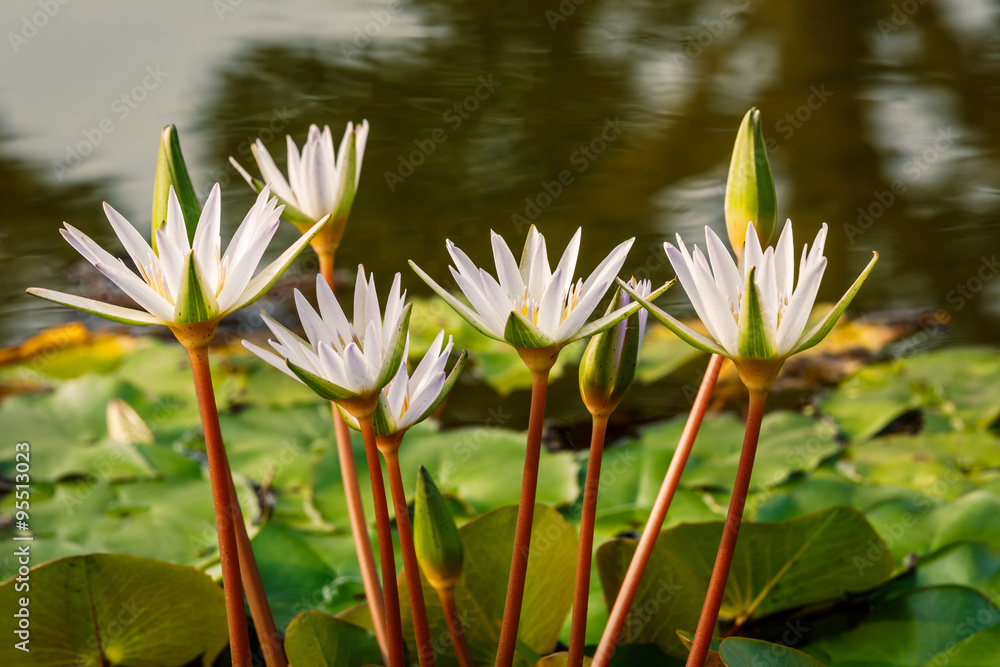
630, 584
222, 500
727, 546
393, 624
260, 608
455, 629
525, 515
425, 649
578, 628
355, 508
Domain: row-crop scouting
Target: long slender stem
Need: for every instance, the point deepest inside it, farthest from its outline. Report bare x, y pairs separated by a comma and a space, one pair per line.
260, 608
455, 628
525, 514
222, 501
578, 628
421, 630
727, 547
630, 584
393, 624
355, 508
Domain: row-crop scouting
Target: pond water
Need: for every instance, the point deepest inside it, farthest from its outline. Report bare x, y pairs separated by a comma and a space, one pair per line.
883, 120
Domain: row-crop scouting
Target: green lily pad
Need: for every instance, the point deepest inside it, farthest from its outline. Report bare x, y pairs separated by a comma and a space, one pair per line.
480, 593
171, 519
297, 578
777, 566
822, 490
937, 464
481, 467
950, 625
315, 639
743, 652
112, 609
632, 473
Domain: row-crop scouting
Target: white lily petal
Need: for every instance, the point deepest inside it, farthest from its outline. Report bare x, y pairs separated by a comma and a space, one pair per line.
784, 262
207, 241
99, 308
507, 270
796, 313
551, 304
568, 262
137, 248
272, 359
270, 173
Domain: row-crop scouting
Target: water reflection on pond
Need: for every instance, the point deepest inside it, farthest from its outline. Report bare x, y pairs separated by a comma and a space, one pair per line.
614, 116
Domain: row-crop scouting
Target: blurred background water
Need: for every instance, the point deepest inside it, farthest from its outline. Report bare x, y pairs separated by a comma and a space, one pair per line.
882, 120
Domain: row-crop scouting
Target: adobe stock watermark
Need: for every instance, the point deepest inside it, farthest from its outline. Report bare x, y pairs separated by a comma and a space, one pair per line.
913, 170
454, 117
581, 159
279, 120
900, 16
121, 108
30, 25
711, 29
565, 9
364, 34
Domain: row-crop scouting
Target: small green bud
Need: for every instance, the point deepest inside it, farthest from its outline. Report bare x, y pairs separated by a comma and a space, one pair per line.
435, 535
750, 189
608, 364
172, 171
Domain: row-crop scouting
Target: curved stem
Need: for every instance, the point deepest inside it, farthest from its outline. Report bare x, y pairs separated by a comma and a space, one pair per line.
222, 500
355, 508
525, 514
425, 649
727, 546
455, 628
260, 608
393, 624
578, 628
630, 584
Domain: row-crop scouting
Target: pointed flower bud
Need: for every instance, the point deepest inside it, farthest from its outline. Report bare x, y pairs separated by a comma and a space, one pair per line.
435, 535
171, 171
749, 189
608, 364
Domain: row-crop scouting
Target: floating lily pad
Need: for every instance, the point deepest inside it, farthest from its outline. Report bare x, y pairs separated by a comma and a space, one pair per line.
776, 566
315, 639
936, 626
744, 652
112, 609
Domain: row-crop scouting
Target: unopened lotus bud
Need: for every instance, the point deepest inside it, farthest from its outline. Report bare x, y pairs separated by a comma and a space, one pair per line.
608, 364
750, 189
172, 171
435, 535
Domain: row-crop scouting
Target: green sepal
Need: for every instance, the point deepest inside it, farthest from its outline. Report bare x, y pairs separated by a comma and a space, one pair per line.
195, 301
397, 343
436, 539
323, 388
172, 171
819, 332
750, 192
754, 339
683, 331
106, 310
521, 333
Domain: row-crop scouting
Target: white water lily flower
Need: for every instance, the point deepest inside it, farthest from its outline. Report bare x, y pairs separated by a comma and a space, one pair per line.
185, 283
532, 306
319, 182
756, 313
342, 360
410, 399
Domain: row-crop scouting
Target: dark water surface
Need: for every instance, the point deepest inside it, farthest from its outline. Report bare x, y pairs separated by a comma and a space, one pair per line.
883, 120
